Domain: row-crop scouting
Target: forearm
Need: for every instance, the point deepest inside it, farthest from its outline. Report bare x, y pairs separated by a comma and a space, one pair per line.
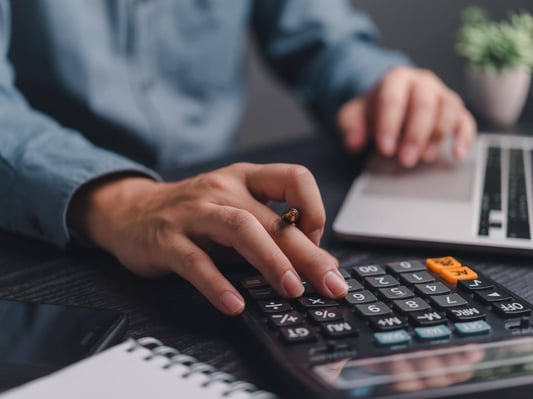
326, 51
42, 164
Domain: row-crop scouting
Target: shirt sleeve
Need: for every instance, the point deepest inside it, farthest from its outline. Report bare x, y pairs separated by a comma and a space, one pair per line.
325, 50
42, 164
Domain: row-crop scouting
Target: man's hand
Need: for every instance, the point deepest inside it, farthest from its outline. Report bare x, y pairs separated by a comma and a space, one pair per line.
155, 228
409, 114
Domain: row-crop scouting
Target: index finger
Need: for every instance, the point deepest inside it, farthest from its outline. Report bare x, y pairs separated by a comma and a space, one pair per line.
294, 184
465, 134
390, 109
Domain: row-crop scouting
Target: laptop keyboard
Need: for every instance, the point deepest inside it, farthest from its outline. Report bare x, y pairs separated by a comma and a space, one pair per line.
517, 225
517, 208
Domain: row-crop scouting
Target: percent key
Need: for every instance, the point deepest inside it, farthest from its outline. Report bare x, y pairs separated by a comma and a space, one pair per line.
322, 315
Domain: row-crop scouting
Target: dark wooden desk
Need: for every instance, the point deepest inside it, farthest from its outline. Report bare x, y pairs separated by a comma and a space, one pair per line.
171, 310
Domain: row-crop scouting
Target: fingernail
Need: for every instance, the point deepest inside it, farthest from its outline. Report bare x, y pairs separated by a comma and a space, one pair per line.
409, 155
387, 144
232, 303
335, 284
315, 236
292, 284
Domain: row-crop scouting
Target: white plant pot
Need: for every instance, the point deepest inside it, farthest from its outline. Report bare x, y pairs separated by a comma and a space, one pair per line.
498, 97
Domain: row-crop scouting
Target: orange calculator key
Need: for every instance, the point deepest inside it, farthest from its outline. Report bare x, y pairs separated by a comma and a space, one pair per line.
454, 274
438, 264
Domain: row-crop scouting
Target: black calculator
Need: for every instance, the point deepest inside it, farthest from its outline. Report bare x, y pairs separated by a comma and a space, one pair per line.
429, 328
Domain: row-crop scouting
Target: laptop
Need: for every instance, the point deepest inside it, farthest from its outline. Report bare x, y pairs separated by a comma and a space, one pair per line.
483, 202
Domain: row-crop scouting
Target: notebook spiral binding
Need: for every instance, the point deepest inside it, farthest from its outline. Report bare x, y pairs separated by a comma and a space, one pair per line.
157, 348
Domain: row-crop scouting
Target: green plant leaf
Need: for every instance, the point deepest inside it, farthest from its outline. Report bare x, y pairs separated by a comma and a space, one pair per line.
496, 46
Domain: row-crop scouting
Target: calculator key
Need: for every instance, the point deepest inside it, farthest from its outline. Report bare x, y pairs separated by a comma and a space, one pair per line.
411, 305
316, 302
382, 281
453, 275
286, 319
373, 309
331, 347
438, 264
426, 318
354, 298
417, 278
390, 338
406, 266
511, 309
274, 306
254, 282
489, 296
429, 289
467, 313
386, 323
325, 314
308, 288
345, 273
400, 292
472, 328
353, 285
297, 334
432, 333
368, 271
474, 285
448, 301
263, 293
339, 329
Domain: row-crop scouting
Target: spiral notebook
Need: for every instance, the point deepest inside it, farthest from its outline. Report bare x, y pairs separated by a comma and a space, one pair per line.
138, 369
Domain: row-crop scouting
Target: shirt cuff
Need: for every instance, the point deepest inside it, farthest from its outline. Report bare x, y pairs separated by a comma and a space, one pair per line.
74, 236
46, 194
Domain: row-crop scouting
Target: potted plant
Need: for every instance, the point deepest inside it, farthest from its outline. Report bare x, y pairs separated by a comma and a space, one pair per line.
500, 59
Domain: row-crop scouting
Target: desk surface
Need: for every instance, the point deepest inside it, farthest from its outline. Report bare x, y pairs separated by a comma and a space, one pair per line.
171, 310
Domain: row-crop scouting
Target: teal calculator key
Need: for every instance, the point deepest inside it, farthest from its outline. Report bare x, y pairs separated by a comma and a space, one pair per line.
389, 338
433, 332
472, 328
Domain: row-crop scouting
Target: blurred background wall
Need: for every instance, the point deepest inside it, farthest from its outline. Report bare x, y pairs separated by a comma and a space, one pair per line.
425, 30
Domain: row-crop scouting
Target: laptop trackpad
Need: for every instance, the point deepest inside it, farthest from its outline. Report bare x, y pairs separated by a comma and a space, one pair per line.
445, 179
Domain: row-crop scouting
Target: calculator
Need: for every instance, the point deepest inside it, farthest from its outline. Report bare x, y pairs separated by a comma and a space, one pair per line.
426, 328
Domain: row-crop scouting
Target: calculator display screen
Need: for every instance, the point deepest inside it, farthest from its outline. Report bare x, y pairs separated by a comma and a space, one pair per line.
435, 369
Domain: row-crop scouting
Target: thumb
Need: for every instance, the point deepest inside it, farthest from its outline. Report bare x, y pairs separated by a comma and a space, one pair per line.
352, 122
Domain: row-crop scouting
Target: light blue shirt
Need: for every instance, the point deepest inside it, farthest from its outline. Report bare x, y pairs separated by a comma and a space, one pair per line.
106, 86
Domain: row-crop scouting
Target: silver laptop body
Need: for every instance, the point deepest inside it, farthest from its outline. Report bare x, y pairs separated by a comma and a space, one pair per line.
484, 201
